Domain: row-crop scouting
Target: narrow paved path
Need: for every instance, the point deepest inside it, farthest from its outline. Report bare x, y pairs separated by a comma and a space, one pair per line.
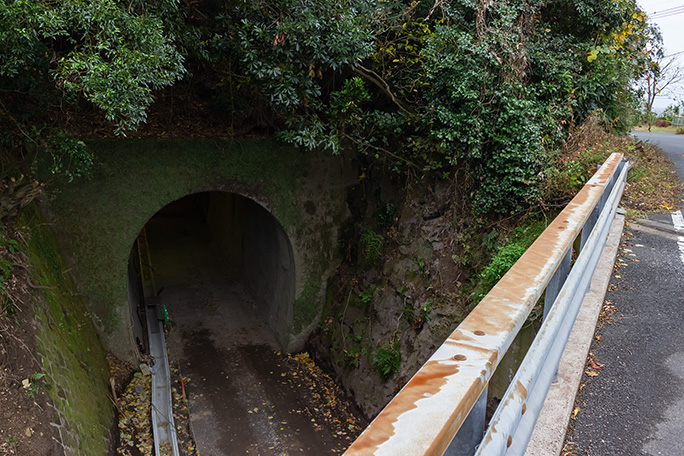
633, 404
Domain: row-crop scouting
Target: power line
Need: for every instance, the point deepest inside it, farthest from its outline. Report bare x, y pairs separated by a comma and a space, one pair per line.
668, 12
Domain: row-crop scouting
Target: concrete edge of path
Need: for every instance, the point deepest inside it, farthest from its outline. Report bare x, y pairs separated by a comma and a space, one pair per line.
549, 432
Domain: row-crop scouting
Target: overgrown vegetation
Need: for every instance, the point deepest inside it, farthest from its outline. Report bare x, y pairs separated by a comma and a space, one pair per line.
491, 87
505, 104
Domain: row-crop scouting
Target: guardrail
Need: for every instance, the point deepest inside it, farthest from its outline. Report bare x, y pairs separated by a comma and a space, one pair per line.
163, 428
441, 409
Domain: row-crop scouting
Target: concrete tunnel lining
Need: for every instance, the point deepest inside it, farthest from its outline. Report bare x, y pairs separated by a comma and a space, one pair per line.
252, 245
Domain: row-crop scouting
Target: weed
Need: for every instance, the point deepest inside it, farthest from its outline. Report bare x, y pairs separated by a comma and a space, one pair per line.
425, 312
637, 173
352, 357
6, 265
408, 314
366, 295
12, 442
417, 318
521, 239
371, 247
31, 384
387, 360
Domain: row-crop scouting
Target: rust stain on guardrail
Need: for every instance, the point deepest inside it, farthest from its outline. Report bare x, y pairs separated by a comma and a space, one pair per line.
423, 418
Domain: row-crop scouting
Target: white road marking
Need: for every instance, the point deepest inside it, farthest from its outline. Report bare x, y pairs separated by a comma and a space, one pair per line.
678, 222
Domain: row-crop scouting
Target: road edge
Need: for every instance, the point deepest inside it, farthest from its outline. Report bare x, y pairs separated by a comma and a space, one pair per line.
549, 432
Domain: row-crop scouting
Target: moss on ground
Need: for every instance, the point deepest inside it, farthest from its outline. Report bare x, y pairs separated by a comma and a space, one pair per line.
70, 350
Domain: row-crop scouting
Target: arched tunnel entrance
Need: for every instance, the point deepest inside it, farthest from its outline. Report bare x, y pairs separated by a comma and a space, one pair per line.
226, 260
223, 268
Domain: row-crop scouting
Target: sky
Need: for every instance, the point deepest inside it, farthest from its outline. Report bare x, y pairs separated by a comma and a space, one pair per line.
669, 16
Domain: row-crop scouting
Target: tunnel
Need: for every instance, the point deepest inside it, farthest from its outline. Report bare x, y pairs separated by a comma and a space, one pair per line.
217, 259
223, 269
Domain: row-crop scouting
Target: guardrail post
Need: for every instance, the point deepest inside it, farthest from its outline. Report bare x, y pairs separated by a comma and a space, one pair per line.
557, 281
591, 221
472, 430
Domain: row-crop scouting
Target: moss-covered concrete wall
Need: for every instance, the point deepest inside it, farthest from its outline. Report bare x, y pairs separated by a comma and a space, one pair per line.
98, 219
70, 351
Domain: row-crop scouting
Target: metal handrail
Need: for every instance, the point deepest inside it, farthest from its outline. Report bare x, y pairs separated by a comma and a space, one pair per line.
424, 418
163, 428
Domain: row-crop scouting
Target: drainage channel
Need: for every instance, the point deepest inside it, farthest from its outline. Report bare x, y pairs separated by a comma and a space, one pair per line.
163, 428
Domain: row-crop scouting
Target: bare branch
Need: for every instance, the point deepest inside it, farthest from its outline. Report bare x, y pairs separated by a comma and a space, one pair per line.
375, 78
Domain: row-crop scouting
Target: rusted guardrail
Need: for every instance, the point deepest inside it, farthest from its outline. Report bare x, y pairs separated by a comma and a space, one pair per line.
441, 409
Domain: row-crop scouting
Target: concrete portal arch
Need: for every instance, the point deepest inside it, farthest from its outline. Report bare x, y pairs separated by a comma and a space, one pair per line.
98, 220
251, 245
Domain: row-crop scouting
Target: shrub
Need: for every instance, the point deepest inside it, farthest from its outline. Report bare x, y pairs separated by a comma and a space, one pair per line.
662, 123
387, 360
371, 247
680, 130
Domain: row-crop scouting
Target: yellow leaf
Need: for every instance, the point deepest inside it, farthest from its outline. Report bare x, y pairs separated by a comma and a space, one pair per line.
575, 412
591, 373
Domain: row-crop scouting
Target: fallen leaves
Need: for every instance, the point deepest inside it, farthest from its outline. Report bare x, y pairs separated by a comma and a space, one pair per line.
135, 417
328, 402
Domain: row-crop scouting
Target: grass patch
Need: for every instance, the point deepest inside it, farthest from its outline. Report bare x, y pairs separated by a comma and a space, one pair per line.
654, 129
652, 183
520, 239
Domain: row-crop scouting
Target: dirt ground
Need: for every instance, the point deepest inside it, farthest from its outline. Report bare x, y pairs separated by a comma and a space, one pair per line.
25, 413
245, 396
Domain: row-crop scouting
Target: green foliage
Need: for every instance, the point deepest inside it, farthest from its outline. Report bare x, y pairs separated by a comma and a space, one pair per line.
387, 360
31, 384
367, 294
70, 157
352, 356
521, 239
289, 55
105, 50
490, 87
9, 247
501, 263
371, 245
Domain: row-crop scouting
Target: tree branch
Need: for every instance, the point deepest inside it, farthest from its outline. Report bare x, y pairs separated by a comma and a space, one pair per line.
375, 78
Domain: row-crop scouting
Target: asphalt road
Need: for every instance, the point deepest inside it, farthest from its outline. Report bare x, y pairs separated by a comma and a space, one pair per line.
634, 403
672, 145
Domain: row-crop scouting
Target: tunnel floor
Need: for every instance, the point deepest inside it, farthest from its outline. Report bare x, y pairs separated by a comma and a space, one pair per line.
244, 396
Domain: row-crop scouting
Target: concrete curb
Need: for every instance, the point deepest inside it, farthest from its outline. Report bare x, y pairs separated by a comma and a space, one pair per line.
549, 432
